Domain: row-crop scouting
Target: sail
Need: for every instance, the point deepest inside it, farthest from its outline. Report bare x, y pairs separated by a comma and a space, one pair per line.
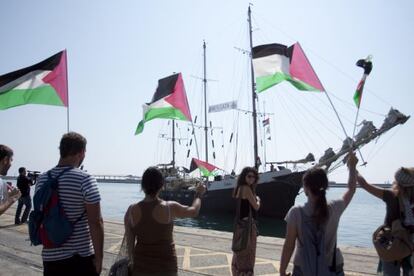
275, 63
168, 102
206, 169
42, 83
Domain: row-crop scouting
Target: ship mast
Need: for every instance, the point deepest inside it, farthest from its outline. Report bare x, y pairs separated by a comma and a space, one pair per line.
205, 100
173, 143
254, 95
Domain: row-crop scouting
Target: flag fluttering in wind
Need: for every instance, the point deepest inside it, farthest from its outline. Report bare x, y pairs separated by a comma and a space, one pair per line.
168, 102
274, 63
366, 64
205, 168
42, 83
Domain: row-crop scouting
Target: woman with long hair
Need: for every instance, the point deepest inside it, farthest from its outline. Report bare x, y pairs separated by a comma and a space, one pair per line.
248, 204
312, 227
402, 190
149, 227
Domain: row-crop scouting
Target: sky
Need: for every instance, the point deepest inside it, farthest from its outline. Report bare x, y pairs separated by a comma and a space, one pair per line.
117, 50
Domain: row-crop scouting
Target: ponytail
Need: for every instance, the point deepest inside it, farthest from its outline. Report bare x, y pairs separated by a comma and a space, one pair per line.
316, 181
320, 211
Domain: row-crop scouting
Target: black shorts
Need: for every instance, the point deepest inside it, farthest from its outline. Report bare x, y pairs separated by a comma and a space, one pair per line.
75, 265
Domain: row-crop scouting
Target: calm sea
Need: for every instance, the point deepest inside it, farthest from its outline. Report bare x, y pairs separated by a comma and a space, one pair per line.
364, 214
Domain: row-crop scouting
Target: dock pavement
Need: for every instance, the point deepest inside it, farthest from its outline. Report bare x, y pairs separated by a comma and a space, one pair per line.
200, 251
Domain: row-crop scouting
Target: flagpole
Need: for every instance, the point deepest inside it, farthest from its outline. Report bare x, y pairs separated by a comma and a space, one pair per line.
254, 96
67, 92
264, 137
205, 100
173, 142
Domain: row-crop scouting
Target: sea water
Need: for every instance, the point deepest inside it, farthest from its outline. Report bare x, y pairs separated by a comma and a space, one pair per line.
363, 215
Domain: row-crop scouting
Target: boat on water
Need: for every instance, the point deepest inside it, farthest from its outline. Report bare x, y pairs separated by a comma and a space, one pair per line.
277, 186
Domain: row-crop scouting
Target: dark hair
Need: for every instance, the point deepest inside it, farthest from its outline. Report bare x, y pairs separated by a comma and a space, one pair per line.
5, 151
241, 180
22, 169
71, 143
152, 181
316, 181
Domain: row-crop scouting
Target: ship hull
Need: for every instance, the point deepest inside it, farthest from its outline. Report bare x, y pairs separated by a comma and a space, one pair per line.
277, 194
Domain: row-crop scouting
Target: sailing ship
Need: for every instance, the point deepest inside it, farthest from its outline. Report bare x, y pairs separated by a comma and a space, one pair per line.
279, 186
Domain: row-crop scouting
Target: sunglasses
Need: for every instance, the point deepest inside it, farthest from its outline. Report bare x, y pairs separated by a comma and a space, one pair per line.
251, 176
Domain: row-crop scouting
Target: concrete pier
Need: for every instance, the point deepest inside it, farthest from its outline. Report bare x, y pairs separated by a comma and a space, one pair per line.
200, 252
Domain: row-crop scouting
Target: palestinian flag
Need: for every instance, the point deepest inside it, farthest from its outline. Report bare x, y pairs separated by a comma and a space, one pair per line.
359, 90
205, 168
42, 83
366, 64
274, 63
168, 102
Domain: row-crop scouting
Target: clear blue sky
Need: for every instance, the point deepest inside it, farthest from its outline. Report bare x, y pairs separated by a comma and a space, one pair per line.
117, 50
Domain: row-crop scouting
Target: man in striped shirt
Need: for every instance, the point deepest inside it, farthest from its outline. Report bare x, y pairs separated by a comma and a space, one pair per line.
82, 253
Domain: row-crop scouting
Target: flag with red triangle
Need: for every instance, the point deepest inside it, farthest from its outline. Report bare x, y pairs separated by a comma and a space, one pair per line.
42, 83
168, 102
206, 169
275, 63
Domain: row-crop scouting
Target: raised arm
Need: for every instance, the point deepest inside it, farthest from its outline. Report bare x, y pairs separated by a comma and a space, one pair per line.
183, 211
375, 191
352, 161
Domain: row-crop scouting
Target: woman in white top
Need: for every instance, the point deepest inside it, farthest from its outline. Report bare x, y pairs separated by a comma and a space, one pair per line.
312, 228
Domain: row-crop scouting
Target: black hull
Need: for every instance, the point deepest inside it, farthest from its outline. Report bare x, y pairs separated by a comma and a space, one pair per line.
277, 197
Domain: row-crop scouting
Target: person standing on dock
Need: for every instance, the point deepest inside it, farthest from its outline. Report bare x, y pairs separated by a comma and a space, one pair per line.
402, 189
312, 228
82, 253
248, 202
23, 183
8, 195
149, 227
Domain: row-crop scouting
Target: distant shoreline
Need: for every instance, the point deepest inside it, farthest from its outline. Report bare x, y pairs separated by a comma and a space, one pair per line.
137, 180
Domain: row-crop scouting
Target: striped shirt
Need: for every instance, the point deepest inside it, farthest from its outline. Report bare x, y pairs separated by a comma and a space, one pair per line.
76, 188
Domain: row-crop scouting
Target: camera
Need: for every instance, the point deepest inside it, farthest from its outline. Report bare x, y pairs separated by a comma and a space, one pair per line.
33, 175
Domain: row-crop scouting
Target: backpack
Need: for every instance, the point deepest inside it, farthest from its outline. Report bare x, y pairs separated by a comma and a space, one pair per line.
48, 223
313, 252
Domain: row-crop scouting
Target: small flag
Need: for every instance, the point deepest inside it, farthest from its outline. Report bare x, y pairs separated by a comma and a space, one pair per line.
274, 63
359, 90
205, 168
366, 64
42, 83
266, 122
168, 102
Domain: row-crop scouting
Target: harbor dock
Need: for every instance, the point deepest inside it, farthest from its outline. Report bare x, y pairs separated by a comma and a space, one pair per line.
200, 251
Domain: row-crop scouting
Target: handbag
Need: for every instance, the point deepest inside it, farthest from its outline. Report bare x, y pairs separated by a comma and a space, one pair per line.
242, 230
393, 243
123, 261
120, 267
